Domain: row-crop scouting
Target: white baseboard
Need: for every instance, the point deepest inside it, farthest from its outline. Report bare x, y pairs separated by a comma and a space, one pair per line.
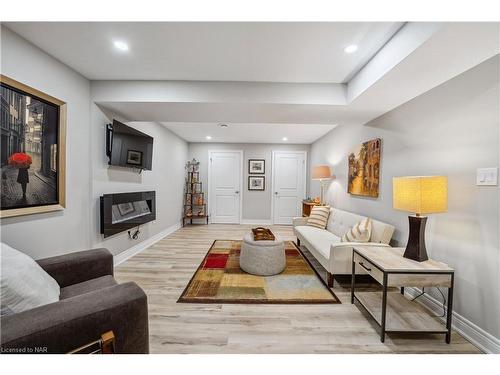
476, 335
256, 222
129, 253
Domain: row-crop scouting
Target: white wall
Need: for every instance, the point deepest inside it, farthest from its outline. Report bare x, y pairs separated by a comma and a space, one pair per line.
170, 154
68, 230
450, 130
87, 173
256, 205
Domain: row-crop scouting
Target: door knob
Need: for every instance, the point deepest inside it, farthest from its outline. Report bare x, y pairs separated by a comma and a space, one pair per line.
276, 193
237, 192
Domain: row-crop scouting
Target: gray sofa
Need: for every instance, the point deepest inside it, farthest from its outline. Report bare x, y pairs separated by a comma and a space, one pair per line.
91, 303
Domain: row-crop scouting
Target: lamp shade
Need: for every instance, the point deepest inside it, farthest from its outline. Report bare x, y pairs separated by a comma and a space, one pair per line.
321, 172
420, 194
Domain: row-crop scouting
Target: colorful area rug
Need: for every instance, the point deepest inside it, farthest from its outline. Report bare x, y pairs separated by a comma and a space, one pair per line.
219, 279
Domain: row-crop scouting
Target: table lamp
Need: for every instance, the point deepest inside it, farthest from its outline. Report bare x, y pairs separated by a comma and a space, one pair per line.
321, 173
421, 195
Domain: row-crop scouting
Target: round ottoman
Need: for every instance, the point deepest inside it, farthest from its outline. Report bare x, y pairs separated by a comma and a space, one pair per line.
263, 258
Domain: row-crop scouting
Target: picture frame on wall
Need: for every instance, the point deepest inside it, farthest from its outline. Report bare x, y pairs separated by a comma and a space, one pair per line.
364, 169
33, 150
256, 183
256, 166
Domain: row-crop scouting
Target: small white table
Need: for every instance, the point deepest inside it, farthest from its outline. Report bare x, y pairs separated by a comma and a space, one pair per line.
393, 312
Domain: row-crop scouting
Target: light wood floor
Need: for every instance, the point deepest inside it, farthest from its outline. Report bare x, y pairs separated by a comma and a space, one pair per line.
164, 269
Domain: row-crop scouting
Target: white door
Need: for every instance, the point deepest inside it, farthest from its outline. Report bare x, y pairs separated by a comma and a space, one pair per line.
289, 178
225, 186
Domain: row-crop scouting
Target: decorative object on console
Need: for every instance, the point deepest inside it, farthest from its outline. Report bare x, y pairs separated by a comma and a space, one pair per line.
421, 195
322, 173
256, 183
364, 169
194, 198
307, 205
319, 216
34, 160
360, 232
256, 166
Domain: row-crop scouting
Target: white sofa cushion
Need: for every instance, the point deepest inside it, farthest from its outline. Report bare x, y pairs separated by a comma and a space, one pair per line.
339, 222
24, 284
319, 216
360, 232
320, 239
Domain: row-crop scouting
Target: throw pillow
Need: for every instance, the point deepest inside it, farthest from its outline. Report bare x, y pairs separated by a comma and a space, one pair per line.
24, 284
319, 216
361, 232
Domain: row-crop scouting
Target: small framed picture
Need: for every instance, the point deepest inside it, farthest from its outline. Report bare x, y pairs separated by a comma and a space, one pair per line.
256, 183
134, 157
256, 166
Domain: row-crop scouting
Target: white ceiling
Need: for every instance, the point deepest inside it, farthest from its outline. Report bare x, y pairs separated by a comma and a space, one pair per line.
211, 51
417, 58
253, 133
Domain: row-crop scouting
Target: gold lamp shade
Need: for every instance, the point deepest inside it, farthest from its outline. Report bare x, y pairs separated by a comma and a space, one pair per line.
420, 194
321, 172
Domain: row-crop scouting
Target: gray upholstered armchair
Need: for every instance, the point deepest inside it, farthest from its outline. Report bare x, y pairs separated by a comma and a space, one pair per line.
91, 303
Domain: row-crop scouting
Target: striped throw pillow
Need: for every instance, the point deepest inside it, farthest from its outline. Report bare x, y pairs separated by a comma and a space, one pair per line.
319, 216
361, 232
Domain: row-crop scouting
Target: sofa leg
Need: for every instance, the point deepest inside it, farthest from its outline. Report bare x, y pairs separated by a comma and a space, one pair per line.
298, 241
329, 279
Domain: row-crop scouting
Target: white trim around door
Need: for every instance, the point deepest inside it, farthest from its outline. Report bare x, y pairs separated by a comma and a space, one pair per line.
274, 185
237, 190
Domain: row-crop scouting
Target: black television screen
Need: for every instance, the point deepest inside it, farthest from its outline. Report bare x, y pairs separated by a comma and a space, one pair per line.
128, 147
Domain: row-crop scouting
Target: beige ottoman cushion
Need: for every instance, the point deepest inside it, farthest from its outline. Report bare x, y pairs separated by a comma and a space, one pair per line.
264, 258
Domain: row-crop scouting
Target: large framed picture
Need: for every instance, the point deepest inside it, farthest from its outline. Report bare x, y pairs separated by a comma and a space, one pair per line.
256, 166
256, 183
364, 169
33, 150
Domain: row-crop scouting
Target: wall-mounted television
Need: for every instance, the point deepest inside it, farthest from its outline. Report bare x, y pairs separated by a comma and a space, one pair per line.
128, 147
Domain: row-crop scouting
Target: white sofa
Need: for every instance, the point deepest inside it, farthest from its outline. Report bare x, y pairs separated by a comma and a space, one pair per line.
326, 246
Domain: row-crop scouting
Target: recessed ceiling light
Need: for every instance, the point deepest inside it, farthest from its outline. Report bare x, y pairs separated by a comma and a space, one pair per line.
285, 139
122, 46
351, 48
223, 125
208, 137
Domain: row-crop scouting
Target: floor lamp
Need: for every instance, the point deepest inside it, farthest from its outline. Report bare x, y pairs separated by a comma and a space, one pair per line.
322, 173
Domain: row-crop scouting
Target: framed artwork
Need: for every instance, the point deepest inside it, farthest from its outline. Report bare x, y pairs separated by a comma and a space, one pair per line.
33, 150
256, 183
256, 166
134, 157
364, 169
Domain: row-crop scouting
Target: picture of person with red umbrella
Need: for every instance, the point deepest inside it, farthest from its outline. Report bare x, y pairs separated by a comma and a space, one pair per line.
22, 162
29, 151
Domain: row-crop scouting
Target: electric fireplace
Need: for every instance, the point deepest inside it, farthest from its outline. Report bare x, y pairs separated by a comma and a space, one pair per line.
123, 211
